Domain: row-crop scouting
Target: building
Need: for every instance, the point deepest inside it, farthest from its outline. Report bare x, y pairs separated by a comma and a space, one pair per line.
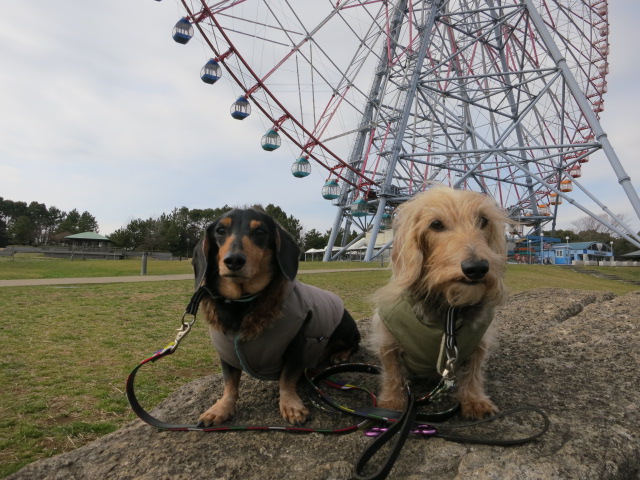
87, 239
549, 250
571, 253
86, 245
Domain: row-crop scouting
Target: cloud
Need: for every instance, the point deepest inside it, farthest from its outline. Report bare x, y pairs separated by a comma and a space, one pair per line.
102, 111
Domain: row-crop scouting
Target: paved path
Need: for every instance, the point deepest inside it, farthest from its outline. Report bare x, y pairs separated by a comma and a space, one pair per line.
140, 278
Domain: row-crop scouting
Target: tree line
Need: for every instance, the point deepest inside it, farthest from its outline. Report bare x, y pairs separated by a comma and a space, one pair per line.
180, 230
37, 224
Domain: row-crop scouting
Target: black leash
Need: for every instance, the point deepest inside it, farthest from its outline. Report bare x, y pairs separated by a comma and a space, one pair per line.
401, 424
401, 428
410, 421
406, 425
161, 425
192, 309
183, 331
406, 422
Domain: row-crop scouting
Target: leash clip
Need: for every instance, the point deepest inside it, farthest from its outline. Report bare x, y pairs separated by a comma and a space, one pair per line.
184, 329
448, 374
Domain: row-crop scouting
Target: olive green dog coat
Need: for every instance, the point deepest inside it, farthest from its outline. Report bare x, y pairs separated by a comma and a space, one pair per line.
423, 339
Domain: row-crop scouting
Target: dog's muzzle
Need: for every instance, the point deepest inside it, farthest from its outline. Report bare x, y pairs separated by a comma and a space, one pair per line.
235, 261
475, 270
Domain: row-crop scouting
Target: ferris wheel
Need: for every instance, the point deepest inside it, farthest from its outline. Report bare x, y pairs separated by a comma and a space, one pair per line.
388, 98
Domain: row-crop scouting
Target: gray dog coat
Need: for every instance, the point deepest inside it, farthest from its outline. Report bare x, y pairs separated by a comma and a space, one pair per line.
261, 357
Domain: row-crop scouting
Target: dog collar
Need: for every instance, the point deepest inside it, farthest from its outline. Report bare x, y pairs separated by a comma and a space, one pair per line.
203, 290
243, 299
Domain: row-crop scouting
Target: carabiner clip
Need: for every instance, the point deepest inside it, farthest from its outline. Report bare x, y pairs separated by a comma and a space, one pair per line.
184, 329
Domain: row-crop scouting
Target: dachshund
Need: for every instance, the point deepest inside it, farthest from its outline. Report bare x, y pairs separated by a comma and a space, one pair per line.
261, 319
449, 251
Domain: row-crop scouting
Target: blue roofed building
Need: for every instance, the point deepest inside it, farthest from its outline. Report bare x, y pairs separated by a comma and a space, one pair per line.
552, 251
570, 253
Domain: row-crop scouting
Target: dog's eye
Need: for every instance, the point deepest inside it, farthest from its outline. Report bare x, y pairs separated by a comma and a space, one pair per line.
221, 231
483, 222
259, 231
437, 225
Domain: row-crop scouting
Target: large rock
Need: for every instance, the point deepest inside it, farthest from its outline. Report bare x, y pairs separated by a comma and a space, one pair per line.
574, 353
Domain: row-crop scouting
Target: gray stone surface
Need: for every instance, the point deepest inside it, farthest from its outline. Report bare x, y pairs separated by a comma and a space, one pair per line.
574, 353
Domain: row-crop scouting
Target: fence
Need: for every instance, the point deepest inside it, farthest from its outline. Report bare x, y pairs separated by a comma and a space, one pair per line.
84, 252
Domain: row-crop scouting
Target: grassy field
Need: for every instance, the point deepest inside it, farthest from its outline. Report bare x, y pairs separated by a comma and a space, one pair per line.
66, 350
27, 266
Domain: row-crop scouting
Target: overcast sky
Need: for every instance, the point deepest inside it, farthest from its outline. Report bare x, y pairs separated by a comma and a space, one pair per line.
100, 110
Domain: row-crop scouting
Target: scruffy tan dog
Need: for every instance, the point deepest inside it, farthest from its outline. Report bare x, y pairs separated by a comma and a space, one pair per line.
449, 251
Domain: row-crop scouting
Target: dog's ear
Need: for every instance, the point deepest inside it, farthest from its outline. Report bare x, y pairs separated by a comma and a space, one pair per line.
205, 256
409, 247
408, 253
287, 253
199, 262
497, 240
497, 222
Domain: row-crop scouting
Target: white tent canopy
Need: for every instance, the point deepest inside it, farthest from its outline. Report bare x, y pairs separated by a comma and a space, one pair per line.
355, 251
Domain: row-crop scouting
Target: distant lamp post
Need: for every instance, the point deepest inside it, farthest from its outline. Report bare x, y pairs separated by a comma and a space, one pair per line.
541, 248
568, 253
529, 250
611, 244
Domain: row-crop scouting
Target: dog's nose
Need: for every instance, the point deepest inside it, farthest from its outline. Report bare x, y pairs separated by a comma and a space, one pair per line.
235, 261
475, 269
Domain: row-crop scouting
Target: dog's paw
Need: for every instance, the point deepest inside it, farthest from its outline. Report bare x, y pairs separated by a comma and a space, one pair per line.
479, 408
293, 410
220, 412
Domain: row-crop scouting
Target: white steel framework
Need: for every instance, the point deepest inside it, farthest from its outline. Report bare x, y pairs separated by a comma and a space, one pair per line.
391, 97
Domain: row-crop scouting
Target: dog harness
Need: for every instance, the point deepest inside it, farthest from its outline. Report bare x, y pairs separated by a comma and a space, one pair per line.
423, 338
261, 357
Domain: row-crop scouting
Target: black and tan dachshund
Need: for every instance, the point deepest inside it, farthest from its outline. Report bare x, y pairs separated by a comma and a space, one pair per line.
261, 319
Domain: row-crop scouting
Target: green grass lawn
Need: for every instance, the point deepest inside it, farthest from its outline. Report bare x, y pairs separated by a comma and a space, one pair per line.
526, 277
66, 351
628, 273
28, 266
